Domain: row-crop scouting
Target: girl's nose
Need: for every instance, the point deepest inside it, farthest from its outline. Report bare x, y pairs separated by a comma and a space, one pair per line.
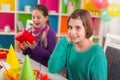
72, 31
35, 19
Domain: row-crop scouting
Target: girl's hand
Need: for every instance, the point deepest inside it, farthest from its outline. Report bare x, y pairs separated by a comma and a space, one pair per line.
23, 46
31, 45
68, 37
26, 45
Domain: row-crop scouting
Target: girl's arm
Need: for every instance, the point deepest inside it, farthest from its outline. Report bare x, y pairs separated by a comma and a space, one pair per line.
26, 51
99, 70
57, 60
42, 52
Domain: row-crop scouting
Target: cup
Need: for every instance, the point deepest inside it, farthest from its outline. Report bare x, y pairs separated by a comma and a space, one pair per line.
70, 7
5, 7
27, 8
7, 28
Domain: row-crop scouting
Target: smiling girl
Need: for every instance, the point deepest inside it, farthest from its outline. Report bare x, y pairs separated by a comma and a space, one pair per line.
83, 59
41, 49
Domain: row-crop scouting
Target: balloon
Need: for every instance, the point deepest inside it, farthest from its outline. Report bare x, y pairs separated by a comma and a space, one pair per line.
100, 4
104, 16
65, 2
113, 9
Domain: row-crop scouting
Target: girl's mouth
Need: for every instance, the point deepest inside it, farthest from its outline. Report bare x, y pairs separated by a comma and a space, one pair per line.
37, 25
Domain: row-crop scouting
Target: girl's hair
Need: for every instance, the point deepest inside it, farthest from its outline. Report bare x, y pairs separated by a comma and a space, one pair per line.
84, 15
44, 10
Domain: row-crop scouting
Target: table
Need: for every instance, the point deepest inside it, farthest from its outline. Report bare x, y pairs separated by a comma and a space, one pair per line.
42, 68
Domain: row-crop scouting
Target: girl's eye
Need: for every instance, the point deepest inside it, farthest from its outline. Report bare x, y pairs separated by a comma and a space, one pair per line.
70, 27
33, 17
77, 27
38, 17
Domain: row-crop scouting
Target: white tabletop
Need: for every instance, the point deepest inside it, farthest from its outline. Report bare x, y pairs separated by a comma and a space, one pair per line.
42, 68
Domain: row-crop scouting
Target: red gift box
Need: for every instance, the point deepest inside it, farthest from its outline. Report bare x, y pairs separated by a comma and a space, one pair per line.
24, 35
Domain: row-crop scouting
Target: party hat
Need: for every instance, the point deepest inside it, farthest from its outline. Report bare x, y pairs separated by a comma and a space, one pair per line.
12, 59
27, 72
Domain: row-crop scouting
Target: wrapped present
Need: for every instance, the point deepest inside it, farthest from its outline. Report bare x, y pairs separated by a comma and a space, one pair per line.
24, 35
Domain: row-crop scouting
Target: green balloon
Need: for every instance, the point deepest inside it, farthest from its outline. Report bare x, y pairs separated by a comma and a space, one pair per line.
104, 16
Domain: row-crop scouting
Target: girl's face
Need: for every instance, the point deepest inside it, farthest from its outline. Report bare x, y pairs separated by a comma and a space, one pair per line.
38, 18
76, 30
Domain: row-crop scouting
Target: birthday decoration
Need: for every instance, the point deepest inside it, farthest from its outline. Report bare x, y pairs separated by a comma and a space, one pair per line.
108, 9
3, 67
65, 2
3, 52
27, 72
12, 59
104, 16
44, 77
41, 76
113, 9
100, 4
11, 74
14, 72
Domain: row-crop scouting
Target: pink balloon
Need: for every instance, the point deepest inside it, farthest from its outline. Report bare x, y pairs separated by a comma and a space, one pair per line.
100, 4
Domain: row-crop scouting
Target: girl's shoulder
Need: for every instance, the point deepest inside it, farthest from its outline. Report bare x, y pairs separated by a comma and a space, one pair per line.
98, 52
96, 46
51, 30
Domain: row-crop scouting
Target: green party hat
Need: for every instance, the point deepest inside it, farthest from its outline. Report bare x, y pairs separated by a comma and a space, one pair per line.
27, 72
